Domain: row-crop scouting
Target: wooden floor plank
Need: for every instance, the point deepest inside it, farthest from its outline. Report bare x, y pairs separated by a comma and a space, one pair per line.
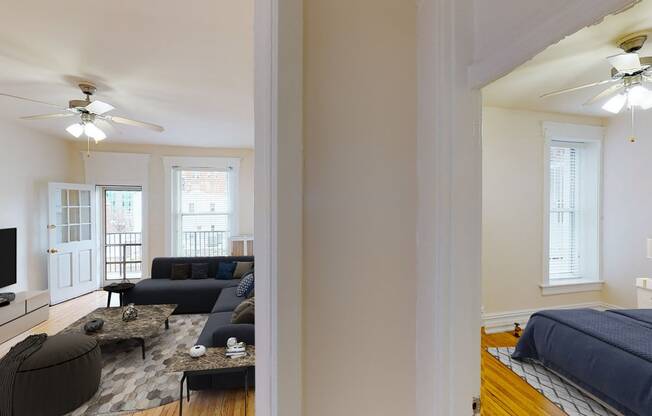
503, 392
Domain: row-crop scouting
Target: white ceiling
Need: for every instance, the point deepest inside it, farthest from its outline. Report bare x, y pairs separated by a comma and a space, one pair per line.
185, 65
576, 60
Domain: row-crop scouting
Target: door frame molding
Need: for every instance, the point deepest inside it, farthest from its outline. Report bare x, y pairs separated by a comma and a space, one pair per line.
449, 161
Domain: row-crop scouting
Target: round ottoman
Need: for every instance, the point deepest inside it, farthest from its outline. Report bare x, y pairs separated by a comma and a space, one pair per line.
59, 377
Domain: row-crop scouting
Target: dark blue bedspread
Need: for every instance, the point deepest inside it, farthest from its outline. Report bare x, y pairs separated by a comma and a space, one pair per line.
609, 354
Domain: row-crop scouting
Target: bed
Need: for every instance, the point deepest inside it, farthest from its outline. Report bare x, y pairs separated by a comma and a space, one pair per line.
608, 354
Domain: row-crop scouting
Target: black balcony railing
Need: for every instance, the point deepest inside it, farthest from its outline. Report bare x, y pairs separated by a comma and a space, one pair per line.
205, 243
123, 256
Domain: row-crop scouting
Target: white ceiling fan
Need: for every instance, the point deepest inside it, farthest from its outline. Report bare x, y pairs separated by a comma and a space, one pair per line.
629, 75
89, 113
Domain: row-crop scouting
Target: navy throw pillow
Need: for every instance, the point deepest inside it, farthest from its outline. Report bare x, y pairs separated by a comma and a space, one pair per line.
199, 271
225, 270
246, 285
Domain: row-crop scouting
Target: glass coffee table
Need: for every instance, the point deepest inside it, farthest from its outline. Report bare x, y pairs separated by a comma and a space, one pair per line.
148, 323
214, 361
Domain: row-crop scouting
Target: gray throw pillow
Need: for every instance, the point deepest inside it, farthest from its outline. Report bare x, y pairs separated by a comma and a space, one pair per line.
245, 312
242, 268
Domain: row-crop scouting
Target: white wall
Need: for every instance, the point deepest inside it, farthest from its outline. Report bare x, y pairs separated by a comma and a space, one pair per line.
627, 207
28, 161
359, 283
156, 188
512, 214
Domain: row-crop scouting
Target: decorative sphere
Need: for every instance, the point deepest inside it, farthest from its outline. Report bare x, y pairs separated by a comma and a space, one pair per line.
231, 342
130, 313
197, 351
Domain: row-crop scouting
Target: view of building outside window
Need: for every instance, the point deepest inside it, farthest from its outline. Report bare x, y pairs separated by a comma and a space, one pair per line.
123, 233
205, 213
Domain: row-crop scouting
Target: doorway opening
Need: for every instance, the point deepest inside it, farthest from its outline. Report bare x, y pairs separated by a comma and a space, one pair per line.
121, 232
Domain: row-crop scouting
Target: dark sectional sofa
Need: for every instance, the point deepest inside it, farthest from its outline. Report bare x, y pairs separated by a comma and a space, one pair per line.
200, 296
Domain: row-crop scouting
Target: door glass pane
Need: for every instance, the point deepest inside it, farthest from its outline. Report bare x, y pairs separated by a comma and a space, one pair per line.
85, 232
74, 233
62, 234
74, 215
62, 216
85, 215
85, 198
63, 197
123, 233
73, 198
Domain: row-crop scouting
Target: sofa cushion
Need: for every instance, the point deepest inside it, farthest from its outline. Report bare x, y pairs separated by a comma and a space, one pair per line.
225, 270
227, 301
161, 266
215, 321
245, 286
242, 268
192, 295
199, 271
245, 313
180, 271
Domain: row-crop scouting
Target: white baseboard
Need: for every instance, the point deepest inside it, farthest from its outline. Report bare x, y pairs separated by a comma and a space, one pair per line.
504, 321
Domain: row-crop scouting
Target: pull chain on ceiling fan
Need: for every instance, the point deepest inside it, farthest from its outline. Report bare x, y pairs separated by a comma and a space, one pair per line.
89, 113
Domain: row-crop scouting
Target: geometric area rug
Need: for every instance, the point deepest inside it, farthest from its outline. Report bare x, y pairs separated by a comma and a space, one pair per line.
570, 399
130, 383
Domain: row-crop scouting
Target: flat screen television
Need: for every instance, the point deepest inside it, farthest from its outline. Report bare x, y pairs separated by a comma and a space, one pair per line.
7, 257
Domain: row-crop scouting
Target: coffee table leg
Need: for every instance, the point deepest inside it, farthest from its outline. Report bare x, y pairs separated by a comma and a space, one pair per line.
167, 324
188, 390
183, 378
108, 301
141, 341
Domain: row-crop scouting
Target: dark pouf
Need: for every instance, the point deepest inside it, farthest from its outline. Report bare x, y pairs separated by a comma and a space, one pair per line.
59, 377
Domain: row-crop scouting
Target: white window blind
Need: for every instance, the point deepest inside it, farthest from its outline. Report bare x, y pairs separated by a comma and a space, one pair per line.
564, 261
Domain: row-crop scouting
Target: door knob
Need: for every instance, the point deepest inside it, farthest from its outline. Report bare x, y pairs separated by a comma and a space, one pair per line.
53, 250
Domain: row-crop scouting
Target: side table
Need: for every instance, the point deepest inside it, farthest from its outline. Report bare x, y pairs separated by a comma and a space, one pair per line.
120, 289
214, 361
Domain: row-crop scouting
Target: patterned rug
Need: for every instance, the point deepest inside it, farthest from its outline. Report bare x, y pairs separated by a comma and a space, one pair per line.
130, 383
570, 399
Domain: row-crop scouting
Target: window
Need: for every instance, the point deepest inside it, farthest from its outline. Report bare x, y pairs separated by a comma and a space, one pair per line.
572, 201
564, 260
203, 219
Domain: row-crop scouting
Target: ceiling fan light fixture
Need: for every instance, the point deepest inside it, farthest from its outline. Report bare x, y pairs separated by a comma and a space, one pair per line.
615, 103
92, 131
75, 130
638, 95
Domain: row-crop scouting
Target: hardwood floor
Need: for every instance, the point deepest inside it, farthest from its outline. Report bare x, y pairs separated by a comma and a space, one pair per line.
505, 393
213, 403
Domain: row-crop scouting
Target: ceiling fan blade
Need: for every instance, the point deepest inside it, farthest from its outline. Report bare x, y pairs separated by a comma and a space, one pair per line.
32, 100
580, 87
606, 93
130, 122
48, 116
99, 107
625, 63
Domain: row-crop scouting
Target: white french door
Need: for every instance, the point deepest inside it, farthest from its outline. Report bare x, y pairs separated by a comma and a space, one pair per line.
72, 251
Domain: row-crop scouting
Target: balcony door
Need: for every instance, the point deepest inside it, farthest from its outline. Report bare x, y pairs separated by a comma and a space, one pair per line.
122, 229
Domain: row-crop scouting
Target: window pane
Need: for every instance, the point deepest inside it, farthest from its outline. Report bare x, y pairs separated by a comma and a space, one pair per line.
563, 245
564, 260
123, 239
204, 221
563, 178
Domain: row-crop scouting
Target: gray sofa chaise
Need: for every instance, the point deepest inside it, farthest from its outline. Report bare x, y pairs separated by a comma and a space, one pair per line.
200, 296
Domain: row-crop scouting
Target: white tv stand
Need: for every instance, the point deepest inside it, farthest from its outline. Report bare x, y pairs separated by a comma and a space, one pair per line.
25, 312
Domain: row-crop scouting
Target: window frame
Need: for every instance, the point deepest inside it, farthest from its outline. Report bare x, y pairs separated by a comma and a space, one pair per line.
589, 139
232, 165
